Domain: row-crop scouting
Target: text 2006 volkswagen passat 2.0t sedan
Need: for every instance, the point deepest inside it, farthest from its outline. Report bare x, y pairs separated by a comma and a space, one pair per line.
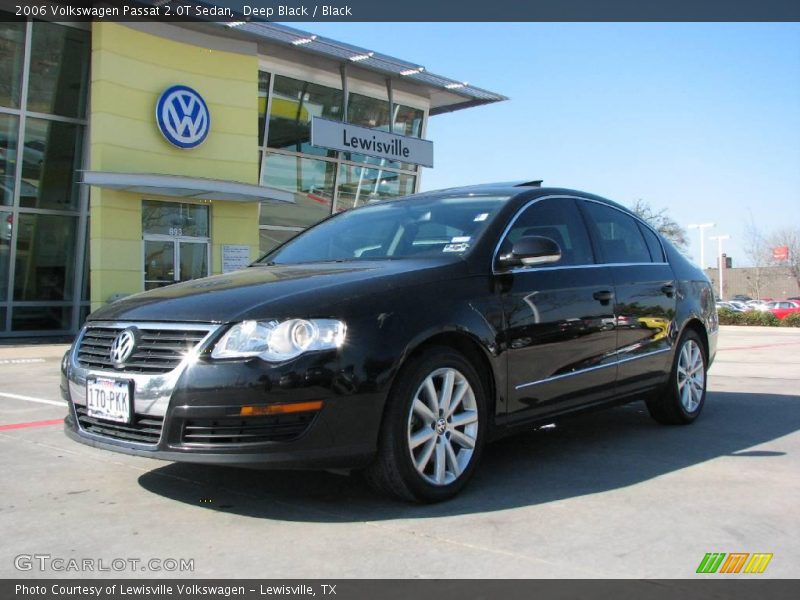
399, 338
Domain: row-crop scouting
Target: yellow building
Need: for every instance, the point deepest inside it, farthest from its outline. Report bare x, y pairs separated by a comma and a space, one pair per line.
153, 153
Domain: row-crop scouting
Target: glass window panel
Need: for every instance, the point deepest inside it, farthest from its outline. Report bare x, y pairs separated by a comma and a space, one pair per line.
174, 218
8, 157
408, 120
6, 224
361, 185
159, 264
656, 252
41, 318
194, 260
311, 181
559, 220
50, 157
12, 48
2, 319
619, 236
368, 112
45, 262
270, 239
294, 103
263, 92
59, 68
374, 113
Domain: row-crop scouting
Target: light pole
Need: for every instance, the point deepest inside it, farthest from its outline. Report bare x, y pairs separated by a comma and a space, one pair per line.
701, 227
720, 239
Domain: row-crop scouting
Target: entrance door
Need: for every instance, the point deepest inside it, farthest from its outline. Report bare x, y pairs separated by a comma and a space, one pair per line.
176, 242
167, 261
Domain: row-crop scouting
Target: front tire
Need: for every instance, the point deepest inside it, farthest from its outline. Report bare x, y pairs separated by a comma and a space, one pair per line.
681, 400
433, 429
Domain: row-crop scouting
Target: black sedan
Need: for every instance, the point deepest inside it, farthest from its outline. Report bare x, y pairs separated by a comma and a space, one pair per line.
399, 338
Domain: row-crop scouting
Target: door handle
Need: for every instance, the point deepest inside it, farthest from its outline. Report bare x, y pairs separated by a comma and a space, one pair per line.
603, 296
668, 289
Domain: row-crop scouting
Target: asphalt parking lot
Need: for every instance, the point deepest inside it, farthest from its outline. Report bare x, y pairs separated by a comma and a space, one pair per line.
609, 494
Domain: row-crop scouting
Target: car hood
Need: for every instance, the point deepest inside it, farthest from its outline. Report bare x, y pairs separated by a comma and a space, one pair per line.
275, 291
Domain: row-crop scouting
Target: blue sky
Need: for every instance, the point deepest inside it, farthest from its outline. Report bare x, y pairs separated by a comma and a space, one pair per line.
703, 119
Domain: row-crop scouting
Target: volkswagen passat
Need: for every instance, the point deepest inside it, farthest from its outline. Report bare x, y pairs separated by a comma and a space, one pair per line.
399, 338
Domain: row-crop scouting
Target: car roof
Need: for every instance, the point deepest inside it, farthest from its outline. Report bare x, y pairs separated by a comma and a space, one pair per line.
530, 189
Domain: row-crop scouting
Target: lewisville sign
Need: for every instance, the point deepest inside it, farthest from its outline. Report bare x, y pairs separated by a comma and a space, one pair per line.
372, 142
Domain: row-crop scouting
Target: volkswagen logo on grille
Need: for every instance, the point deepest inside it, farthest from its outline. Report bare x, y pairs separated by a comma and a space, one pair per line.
122, 347
183, 117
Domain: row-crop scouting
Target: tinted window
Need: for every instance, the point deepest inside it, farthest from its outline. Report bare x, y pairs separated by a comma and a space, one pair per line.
653, 245
617, 234
559, 220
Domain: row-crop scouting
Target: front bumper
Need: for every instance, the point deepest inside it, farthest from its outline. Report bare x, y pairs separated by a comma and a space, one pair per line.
192, 413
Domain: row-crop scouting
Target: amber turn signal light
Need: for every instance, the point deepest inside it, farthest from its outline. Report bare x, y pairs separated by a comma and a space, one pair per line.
280, 409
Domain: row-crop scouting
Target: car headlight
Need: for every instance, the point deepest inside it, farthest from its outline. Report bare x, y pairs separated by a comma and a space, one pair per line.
277, 341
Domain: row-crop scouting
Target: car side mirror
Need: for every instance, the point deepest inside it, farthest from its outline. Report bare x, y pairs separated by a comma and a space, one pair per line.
532, 250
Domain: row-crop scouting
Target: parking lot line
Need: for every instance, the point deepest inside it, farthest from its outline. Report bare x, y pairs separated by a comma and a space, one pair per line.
32, 399
31, 424
758, 346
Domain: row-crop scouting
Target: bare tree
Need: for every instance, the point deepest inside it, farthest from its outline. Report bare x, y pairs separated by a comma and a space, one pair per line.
790, 237
759, 253
663, 223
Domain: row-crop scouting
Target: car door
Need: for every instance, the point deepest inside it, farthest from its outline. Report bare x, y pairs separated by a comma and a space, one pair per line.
559, 331
645, 288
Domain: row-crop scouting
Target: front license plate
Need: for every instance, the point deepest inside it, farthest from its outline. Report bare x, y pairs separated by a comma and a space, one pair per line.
109, 399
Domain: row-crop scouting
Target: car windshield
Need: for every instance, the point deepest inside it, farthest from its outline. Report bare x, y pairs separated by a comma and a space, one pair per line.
416, 227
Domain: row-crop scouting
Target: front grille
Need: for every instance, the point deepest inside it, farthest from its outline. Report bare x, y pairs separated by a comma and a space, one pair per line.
157, 350
228, 431
145, 429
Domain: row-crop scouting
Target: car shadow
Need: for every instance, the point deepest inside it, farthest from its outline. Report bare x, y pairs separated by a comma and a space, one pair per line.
591, 453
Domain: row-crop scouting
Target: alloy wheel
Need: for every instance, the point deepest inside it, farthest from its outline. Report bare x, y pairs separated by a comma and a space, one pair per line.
691, 376
443, 426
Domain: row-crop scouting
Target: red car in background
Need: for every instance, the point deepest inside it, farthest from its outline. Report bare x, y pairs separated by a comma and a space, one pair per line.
783, 308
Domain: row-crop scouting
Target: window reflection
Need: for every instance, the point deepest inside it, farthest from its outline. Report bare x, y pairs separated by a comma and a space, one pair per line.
360, 185
6, 224
263, 93
374, 113
311, 181
294, 104
58, 71
272, 238
407, 120
8, 157
38, 318
12, 46
174, 218
50, 157
45, 261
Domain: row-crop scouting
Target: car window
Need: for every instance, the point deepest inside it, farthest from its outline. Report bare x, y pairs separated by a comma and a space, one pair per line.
653, 244
559, 220
617, 234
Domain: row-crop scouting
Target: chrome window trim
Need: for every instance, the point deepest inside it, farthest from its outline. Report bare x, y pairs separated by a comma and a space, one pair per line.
589, 369
580, 266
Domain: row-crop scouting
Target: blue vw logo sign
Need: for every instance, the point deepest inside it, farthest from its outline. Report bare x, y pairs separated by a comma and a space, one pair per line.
183, 117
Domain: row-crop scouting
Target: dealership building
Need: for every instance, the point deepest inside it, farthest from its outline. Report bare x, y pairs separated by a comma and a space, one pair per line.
135, 155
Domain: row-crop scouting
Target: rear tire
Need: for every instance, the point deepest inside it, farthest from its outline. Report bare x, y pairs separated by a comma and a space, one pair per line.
681, 400
433, 429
